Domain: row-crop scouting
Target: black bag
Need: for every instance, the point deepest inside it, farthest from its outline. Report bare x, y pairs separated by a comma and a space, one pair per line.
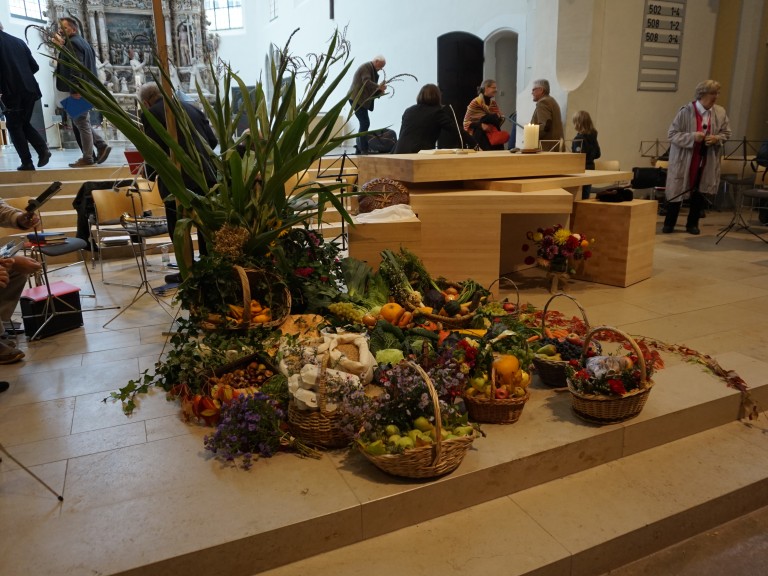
761, 160
648, 178
617, 194
382, 141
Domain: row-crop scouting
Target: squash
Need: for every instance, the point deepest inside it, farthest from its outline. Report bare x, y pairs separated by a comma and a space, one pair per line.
506, 366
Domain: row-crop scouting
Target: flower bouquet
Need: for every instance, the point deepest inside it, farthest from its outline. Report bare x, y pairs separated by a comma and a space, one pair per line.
609, 389
557, 248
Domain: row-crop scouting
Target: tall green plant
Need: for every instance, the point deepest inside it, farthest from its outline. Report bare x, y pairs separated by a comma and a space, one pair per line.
286, 134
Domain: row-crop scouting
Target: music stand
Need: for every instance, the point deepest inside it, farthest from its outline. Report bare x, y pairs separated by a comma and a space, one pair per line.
28, 471
145, 288
340, 179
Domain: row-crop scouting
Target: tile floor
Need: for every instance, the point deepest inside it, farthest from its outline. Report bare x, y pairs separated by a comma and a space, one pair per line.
114, 470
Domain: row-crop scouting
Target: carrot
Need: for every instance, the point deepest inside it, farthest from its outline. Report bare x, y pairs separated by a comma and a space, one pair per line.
532, 338
548, 332
443, 335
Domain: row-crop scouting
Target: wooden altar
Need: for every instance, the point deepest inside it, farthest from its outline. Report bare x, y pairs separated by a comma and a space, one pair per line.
475, 209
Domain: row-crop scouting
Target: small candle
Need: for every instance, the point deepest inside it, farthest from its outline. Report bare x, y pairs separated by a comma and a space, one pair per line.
531, 137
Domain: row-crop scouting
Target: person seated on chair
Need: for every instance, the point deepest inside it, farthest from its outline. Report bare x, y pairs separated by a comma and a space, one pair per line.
152, 98
423, 123
483, 114
13, 274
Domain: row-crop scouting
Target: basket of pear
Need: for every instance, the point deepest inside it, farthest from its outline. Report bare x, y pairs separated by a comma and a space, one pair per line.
431, 447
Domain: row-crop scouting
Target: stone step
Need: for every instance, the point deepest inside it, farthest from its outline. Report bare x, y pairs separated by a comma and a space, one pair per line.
547, 495
584, 524
98, 172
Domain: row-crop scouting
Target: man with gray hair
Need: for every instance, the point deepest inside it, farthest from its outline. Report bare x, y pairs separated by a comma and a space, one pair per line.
364, 90
547, 113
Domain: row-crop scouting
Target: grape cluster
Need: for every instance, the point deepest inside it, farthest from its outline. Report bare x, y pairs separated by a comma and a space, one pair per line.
255, 374
569, 350
347, 311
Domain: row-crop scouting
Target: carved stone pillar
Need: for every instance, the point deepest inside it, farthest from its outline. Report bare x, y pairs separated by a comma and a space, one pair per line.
103, 37
92, 33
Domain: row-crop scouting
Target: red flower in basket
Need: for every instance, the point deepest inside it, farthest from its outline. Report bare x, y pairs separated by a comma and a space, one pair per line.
617, 387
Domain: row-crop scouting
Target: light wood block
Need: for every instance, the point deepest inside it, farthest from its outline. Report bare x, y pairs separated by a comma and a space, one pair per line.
478, 234
416, 168
625, 234
588, 178
367, 240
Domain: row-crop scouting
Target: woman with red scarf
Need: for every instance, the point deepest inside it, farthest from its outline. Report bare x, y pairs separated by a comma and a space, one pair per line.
696, 138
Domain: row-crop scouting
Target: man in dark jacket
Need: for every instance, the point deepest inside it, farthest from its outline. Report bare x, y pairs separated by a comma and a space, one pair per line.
152, 98
365, 88
20, 92
74, 47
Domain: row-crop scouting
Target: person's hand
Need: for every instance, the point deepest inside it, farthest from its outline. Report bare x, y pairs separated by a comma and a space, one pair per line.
698, 136
711, 139
4, 277
484, 126
382, 87
58, 39
27, 220
25, 265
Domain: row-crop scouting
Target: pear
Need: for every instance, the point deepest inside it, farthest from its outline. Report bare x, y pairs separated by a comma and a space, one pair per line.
394, 439
376, 448
391, 429
412, 434
421, 423
405, 443
423, 440
463, 430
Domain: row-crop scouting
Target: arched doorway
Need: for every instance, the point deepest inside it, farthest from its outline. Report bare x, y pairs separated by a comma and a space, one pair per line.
459, 71
464, 60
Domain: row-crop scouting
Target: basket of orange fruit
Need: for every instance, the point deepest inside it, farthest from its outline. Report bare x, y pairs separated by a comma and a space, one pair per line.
266, 302
498, 395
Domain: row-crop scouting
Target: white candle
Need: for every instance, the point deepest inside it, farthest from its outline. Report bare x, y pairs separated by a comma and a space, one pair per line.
531, 137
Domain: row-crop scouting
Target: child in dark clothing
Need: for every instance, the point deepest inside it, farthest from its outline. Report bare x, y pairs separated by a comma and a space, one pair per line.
585, 142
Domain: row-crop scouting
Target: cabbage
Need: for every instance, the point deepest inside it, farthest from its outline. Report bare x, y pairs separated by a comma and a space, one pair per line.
389, 356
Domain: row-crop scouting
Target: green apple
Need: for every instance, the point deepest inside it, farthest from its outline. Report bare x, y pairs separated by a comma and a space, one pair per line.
391, 429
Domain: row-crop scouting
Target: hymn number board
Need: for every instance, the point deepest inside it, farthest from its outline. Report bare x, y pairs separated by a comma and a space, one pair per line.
661, 45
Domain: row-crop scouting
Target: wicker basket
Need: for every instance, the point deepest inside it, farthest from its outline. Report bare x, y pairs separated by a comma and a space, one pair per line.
381, 193
437, 459
319, 428
495, 410
447, 321
553, 372
278, 299
505, 283
600, 409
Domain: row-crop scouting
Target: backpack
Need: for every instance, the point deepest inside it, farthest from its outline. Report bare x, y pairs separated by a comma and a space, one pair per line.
382, 141
761, 160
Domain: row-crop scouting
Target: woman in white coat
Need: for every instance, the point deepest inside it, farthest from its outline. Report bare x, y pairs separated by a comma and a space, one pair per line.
696, 136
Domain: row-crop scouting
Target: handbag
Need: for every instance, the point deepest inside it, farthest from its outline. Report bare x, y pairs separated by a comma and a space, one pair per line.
496, 137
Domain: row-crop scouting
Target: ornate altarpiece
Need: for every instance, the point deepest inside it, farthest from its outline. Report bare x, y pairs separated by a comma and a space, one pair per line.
122, 34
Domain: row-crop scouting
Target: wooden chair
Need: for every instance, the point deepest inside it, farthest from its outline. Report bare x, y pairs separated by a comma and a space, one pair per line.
107, 232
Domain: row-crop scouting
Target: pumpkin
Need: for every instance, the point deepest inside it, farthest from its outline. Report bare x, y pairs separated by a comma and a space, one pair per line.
506, 367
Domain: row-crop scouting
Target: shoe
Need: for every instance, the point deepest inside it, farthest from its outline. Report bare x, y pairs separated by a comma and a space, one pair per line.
4, 386
103, 154
26, 166
44, 158
11, 356
173, 278
82, 163
668, 229
693, 230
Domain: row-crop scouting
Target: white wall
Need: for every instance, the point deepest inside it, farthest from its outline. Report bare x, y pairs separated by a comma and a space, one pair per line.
598, 46
15, 27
